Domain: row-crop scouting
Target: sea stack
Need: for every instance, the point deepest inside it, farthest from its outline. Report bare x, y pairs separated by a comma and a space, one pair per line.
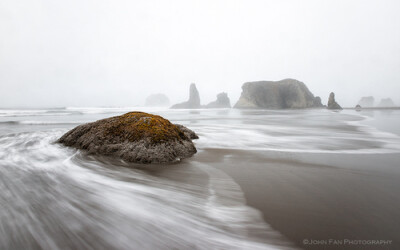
386, 103
284, 94
332, 104
157, 100
193, 102
221, 102
367, 101
318, 102
134, 137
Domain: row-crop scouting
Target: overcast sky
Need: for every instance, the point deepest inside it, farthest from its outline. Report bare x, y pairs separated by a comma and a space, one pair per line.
117, 52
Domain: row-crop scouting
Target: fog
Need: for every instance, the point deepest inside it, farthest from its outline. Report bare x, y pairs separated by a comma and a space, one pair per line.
116, 53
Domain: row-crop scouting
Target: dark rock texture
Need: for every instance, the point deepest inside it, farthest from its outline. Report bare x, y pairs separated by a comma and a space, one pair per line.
284, 94
221, 102
188, 133
157, 100
386, 103
134, 137
193, 102
367, 101
332, 104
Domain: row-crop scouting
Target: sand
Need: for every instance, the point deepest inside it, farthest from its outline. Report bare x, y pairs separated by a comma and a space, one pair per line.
320, 201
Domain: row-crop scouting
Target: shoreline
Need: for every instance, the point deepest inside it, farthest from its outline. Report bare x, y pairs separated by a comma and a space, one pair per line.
321, 198
372, 108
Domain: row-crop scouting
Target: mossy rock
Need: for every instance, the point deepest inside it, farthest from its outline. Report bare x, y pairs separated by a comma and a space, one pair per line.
134, 137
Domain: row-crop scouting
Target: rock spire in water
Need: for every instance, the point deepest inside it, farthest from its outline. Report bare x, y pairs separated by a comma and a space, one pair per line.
193, 102
332, 104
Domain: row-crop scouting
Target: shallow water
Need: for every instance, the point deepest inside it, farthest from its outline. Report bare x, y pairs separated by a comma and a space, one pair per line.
54, 197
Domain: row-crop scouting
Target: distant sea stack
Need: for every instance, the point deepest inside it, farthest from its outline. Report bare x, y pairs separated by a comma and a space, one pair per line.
193, 102
332, 104
318, 103
221, 102
135, 137
367, 102
386, 103
157, 100
284, 94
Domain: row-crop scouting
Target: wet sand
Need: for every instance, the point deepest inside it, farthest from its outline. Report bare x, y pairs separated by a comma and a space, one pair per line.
340, 189
320, 201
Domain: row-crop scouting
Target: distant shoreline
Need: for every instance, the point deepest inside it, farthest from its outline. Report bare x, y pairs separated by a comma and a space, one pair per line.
375, 108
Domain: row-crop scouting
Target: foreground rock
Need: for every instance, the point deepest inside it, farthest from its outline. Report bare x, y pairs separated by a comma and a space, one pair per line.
193, 102
386, 103
134, 137
284, 94
157, 100
367, 102
332, 104
221, 102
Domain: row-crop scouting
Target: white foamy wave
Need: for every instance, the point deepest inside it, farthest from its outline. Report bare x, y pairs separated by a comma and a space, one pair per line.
105, 110
48, 122
33, 112
354, 138
40, 122
227, 203
75, 111
221, 218
69, 199
30, 150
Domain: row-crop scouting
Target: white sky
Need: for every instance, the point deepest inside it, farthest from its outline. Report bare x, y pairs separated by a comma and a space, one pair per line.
117, 52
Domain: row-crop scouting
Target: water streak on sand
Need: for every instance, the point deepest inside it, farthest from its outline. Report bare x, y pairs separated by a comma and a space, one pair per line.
54, 197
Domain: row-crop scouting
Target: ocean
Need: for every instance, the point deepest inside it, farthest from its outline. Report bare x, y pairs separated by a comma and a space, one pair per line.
262, 179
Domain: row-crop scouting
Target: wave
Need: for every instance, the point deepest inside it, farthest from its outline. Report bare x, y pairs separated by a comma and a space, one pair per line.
9, 122
43, 122
66, 111
348, 136
71, 200
105, 110
50, 122
286, 131
22, 113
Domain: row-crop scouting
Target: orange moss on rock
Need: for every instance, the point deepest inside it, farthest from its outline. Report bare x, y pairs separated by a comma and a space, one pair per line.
135, 126
134, 137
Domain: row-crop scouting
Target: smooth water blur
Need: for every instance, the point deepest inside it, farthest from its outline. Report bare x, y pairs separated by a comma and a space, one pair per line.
55, 197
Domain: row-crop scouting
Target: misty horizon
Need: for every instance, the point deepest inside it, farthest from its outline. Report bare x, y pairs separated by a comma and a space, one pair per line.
116, 53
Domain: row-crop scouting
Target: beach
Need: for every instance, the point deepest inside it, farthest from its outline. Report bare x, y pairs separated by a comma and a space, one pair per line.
261, 179
320, 201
